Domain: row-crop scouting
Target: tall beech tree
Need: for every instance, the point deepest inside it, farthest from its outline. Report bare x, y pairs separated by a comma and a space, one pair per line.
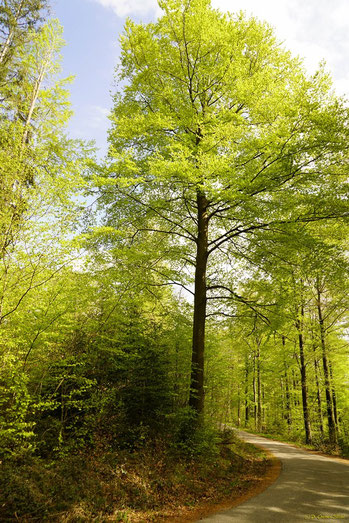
18, 18
217, 134
40, 170
34, 111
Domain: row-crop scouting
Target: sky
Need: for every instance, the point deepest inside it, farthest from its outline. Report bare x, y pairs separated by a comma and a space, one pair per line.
314, 29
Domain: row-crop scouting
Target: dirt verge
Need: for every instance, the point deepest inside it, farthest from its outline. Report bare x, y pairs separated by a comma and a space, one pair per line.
255, 486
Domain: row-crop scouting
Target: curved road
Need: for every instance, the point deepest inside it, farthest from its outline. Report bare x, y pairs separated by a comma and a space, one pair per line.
310, 487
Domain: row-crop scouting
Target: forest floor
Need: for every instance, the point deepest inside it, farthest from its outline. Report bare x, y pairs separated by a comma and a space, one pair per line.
149, 485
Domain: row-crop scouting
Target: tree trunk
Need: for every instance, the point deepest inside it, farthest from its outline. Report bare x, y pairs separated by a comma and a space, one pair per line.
8, 42
334, 397
6, 46
34, 99
318, 393
288, 402
254, 393
299, 325
264, 417
196, 396
295, 391
239, 407
246, 393
259, 393
175, 396
288, 414
330, 415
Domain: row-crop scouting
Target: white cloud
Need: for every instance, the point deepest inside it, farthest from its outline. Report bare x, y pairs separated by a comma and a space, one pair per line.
98, 117
123, 8
340, 14
313, 29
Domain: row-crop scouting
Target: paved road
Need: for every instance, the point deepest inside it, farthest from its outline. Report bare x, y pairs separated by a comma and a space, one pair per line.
310, 488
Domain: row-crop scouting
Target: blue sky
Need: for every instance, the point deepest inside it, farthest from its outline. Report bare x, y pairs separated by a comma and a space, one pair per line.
314, 29
91, 33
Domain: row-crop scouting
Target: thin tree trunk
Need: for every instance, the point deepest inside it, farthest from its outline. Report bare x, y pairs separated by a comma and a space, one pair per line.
228, 402
8, 41
288, 414
6, 46
318, 393
196, 396
254, 393
239, 407
259, 394
288, 402
295, 390
35, 94
334, 398
299, 325
330, 415
175, 398
246, 393
263, 407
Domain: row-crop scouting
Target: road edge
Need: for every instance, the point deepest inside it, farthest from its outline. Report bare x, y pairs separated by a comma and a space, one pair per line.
271, 475
299, 446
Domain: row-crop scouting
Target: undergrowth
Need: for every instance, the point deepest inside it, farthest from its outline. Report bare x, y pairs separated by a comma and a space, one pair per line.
155, 482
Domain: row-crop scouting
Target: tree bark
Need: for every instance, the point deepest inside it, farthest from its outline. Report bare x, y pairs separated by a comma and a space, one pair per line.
318, 393
246, 393
8, 42
330, 415
299, 325
295, 390
197, 393
288, 414
259, 392
34, 99
254, 393
334, 398
264, 417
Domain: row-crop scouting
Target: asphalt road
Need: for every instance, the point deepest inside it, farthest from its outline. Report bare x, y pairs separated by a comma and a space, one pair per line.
310, 487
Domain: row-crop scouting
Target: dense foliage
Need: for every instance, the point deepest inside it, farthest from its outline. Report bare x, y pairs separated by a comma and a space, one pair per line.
219, 244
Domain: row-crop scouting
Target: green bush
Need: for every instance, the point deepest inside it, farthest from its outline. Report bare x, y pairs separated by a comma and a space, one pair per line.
16, 407
65, 408
192, 436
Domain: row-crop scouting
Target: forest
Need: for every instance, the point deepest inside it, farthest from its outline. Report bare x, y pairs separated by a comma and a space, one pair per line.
193, 280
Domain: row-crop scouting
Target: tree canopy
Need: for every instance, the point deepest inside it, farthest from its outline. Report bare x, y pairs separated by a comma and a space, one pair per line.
218, 135
194, 279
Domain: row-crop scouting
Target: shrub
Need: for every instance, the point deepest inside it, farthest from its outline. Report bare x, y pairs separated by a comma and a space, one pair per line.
16, 406
192, 436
